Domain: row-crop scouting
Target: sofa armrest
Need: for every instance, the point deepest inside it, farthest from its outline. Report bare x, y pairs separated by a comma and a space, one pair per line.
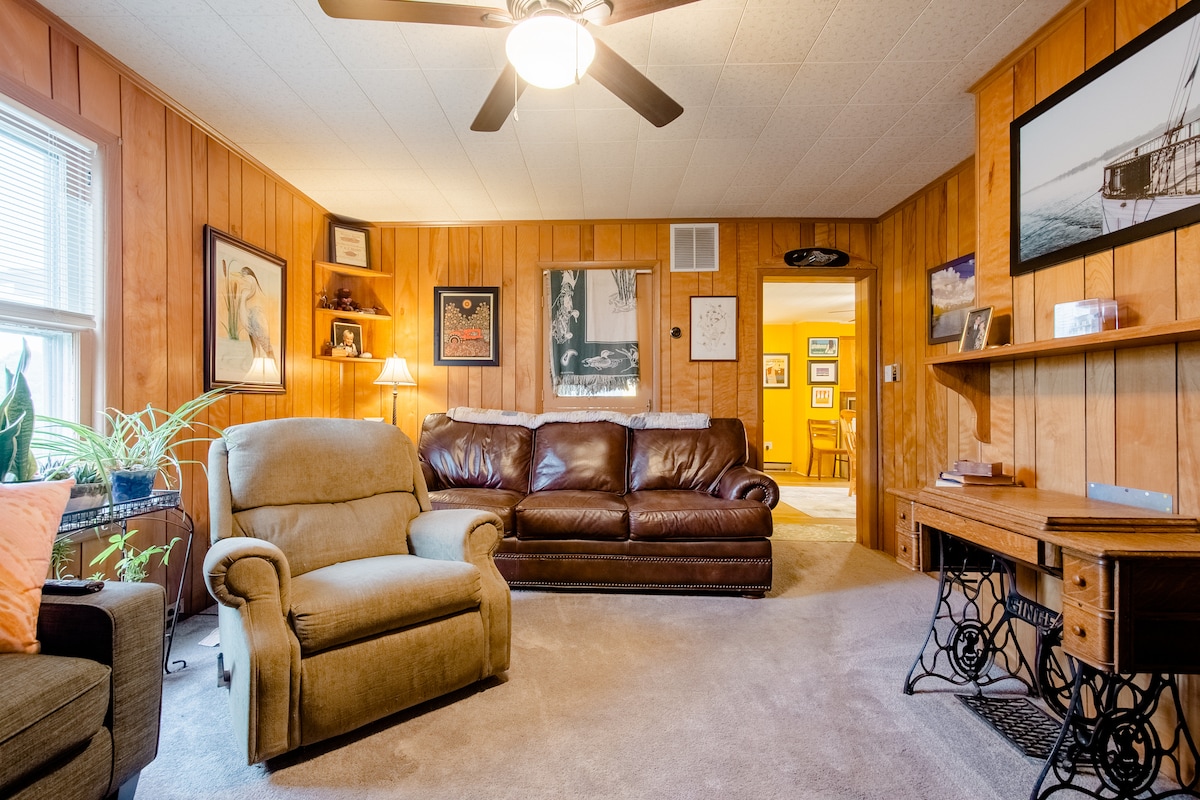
122, 626
464, 534
431, 480
748, 483
252, 581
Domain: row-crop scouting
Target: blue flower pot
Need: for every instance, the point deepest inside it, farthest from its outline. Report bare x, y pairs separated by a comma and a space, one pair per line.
130, 484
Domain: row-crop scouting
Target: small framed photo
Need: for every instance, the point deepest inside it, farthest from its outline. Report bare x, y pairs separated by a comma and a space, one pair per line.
466, 326
776, 371
714, 329
822, 397
975, 329
347, 339
349, 245
245, 316
822, 347
951, 290
822, 372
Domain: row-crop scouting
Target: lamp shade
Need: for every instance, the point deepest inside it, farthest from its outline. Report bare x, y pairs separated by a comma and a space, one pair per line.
395, 373
550, 50
263, 370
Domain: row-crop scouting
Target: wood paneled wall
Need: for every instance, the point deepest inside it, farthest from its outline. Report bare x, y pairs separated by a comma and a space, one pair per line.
173, 178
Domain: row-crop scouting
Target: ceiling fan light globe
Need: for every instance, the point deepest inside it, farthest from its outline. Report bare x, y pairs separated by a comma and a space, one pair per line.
550, 51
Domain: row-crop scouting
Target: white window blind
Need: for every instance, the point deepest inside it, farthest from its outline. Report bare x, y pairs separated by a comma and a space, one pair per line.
49, 258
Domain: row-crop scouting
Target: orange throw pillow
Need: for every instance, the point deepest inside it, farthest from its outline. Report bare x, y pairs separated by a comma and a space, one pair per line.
29, 517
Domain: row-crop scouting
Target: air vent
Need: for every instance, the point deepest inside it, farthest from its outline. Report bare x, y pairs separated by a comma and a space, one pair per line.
694, 248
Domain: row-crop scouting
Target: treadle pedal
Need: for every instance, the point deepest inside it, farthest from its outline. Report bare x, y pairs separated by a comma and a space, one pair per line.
1026, 727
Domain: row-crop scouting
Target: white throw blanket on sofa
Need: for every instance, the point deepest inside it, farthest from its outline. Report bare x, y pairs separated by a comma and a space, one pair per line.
650, 419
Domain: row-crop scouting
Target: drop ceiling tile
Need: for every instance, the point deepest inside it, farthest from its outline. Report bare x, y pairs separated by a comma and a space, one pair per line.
320, 180
589, 94
546, 178
601, 156
171, 8
693, 34
606, 125
734, 210
286, 42
795, 194
203, 41
449, 46
684, 210
727, 152
390, 154
235, 8
761, 174
357, 204
686, 126
865, 120
398, 93
901, 82
563, 156
689, 86
702, 190
458, 180
779, 154
854, 32
328, 90
827, 84
1022, 23
868, 174
839, 151
307, 156
438, 153
746, 195
365, 44
753, 84
472, 205
495, 154
933, 119
658, 179
560, 202
460, 92
955, 85
544, 125
893, 149
813, 171
845, 193
775, 35
86, 8
630, 39
799, 122
735, 123
946, 30
664, 153
820, 208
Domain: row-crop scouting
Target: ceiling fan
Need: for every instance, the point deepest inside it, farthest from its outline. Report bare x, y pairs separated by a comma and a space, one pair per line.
549, 46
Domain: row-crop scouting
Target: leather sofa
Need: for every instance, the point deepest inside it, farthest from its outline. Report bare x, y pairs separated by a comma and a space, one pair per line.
607, 504
81, 718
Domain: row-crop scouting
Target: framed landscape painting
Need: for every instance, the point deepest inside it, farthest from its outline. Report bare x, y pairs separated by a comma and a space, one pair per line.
951, 289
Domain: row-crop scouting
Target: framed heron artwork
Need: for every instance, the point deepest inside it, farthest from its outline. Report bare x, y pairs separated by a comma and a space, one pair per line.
244, 315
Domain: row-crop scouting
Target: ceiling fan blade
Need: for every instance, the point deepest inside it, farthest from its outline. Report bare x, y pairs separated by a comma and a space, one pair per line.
417, 11
500, 101
626, 82
629, 9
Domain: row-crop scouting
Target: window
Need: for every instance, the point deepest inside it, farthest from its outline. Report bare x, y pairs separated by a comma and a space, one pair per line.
50, 228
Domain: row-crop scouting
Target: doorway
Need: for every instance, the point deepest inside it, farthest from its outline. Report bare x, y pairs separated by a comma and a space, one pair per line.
815, 347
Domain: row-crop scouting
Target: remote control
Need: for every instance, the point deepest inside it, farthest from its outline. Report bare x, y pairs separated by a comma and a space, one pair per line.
55, 586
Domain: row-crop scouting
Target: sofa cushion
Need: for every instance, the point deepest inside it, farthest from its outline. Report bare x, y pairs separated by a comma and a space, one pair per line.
580, 455
662, 458
501, 502
572, 514
49, 706
328, 607
31, 513
468, 454
664, 514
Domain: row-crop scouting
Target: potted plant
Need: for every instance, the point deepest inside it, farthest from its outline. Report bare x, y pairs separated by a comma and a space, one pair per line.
135, 449
16, 424
134, 564
90, 489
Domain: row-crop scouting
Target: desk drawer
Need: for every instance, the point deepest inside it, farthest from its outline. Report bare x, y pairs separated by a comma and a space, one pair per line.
908, 548
905, 519
1088, 635
1087, 582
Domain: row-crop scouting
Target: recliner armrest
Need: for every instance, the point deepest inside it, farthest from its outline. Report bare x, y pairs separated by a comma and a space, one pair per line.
121, 626
241, 570
748, 483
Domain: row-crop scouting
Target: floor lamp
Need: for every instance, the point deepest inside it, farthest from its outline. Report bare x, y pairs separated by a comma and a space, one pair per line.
395, 374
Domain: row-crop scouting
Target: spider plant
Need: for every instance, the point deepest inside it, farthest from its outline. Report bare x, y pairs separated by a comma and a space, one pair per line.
140, 440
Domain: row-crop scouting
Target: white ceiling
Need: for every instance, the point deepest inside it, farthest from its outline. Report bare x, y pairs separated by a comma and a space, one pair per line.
793, 108
787, 302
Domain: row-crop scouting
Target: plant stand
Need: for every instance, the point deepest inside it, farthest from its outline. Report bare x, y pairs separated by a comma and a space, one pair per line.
170, 502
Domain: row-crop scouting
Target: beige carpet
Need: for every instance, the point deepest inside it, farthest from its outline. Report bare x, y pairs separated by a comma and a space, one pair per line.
623, 696
812, 532
825, 502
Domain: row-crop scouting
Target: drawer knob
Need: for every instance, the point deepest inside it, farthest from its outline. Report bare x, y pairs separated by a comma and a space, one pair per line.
1079, 631
1080, 581
903, 548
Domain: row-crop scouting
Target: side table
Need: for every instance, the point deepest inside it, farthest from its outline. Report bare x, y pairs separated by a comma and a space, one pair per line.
168, 501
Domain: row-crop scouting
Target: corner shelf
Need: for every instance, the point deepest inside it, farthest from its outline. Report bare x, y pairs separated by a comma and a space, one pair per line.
369, 287
969, 374
354, 272
347, 360
333, 312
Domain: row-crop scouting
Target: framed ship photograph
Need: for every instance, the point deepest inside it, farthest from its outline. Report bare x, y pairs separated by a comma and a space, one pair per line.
1113, 156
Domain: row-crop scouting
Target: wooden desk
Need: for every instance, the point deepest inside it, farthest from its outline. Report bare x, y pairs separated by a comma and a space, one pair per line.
1130, 604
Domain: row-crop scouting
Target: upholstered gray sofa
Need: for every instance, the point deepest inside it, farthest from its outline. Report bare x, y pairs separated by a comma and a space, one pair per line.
79, 720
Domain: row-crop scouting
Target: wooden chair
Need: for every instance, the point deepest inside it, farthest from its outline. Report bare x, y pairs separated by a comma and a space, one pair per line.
823, 441
850, 442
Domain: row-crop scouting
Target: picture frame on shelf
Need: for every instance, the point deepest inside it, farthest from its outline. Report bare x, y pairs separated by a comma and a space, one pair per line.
349, 245
776, 370
822, 397
822, 347
823, 372
245, 316
466, 326
714, 329
975, 330
950, 288
1128, 178
347, 339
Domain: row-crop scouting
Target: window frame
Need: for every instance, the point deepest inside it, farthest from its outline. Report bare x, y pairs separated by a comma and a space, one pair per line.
99, 375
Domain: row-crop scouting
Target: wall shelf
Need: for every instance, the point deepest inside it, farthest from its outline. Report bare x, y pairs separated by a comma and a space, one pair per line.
347, 360
371, 288
333, 312
354, 272
969, 374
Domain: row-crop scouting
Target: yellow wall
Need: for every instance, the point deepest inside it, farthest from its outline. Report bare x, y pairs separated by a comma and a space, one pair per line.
786, 411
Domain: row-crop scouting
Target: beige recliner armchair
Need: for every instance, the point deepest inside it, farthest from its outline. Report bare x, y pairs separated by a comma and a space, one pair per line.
343, 597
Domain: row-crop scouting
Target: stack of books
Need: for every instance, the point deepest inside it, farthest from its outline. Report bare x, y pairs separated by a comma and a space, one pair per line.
975, 473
